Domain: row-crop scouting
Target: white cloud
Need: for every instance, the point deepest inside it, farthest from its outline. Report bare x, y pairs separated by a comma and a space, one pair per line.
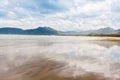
69, 14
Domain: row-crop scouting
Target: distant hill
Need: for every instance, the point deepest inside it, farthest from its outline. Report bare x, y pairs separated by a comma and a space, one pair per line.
8, 30
42, 30
116, 32
106, 30
49, 31
37, 31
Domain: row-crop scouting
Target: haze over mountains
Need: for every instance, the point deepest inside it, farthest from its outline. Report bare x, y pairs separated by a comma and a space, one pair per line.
51, 31
106, 30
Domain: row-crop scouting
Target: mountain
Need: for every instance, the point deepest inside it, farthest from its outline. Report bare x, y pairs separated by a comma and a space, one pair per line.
42, 30
106, 30
8, 30
116, 32
37, 31
49, 31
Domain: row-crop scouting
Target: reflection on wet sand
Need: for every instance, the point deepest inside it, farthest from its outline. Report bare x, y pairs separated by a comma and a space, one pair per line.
59, 58
44, 69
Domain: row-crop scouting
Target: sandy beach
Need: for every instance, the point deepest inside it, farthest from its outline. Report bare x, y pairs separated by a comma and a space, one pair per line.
45, 69
59, 58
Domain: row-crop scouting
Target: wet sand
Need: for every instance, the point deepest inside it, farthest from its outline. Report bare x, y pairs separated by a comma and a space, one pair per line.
59, 58
44, 69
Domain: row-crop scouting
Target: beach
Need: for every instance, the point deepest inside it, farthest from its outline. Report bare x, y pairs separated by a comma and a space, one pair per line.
25, 57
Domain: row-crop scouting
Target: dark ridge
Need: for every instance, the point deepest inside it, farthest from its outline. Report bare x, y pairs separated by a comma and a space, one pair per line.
37, 31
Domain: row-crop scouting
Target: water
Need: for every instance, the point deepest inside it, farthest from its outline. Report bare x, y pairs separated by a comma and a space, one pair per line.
81, 55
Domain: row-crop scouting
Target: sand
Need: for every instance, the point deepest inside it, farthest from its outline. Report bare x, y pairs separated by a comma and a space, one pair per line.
44, 69
59, 58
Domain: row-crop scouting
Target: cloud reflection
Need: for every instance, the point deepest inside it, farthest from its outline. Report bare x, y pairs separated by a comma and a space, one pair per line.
81, 57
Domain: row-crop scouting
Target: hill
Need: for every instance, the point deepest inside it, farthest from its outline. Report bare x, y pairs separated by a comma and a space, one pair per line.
37, 31
8, 30
107, 31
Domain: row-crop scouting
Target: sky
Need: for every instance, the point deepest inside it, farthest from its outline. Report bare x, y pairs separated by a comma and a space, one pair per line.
60, 14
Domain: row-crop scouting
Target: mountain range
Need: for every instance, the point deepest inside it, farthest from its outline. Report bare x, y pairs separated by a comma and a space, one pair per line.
36, 31
51, 31
101, 31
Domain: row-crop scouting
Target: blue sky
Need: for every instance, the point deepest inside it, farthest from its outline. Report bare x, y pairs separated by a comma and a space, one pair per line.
60, 14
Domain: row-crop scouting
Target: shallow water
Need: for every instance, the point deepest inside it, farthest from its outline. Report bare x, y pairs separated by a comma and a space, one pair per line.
81, 55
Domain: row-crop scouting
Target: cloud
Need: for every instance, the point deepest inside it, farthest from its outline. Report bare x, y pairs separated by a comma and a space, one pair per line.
2, 13
60, 14
42, 6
